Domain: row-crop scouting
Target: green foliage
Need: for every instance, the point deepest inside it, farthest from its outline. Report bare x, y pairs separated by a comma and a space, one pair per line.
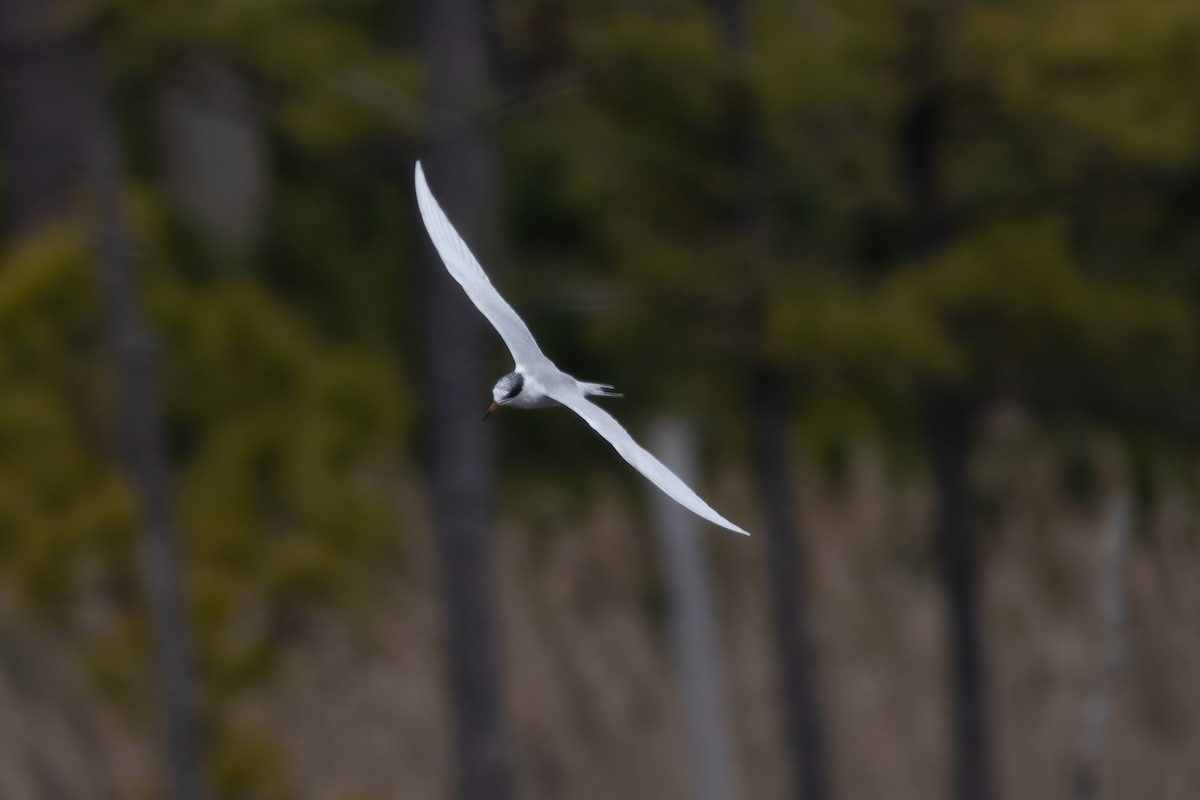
285, 450
319, 61
57, 494
251, 766
1111, 73
1043, 292
1015, 313
1067, 159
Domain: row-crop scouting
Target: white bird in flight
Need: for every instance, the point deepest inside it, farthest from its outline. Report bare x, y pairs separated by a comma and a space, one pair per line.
536, 382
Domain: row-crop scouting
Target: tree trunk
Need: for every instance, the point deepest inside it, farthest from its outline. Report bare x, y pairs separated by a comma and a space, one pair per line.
146, 451
59, 136
919, 159
142, 427
804, 718
460, 168
47, 111
215, 151
785, 580
949, 420
1110, 597
949, 417
691, 619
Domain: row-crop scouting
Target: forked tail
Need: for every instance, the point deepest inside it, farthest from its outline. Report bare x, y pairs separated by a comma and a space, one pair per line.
599, 389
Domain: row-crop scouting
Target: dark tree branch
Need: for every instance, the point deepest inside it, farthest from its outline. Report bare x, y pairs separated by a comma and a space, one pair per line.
1111, 600
786, 586
142, 427
949, 419
460, 169
44, 94
59, 136
786, 579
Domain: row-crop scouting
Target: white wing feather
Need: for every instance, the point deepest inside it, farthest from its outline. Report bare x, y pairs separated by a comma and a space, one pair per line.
474, 281
463, 267
638, 457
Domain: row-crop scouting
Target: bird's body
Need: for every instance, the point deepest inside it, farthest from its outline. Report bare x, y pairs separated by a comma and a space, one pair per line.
519, 389
536, 382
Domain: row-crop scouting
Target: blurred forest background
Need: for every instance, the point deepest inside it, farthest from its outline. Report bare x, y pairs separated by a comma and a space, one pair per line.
908, 288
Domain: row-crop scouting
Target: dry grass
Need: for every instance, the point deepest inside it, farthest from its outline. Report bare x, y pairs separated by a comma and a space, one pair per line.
589, 683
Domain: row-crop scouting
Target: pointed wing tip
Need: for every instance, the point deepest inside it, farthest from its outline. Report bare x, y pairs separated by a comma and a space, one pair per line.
736, 529
426, 202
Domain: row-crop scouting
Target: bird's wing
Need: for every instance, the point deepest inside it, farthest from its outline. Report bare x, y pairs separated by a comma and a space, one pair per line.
474, 281
603, 423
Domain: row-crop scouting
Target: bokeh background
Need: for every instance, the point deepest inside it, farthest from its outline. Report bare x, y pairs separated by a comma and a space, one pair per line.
908, 288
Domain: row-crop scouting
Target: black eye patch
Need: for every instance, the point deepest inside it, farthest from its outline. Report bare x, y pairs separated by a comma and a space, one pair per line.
518, 383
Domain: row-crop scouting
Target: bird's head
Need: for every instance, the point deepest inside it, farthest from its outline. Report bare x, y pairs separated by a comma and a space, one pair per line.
505, 390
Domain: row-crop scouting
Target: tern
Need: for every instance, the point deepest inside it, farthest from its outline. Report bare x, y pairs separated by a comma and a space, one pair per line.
536, 382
